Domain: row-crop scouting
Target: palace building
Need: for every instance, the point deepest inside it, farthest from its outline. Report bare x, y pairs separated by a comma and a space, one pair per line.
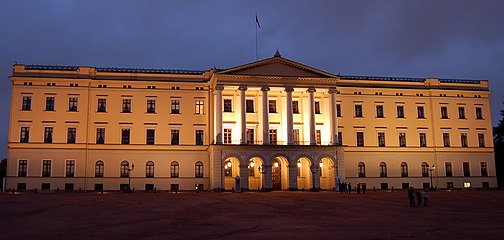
273, 124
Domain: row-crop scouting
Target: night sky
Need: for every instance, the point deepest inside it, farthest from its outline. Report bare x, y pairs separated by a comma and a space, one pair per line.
444, 39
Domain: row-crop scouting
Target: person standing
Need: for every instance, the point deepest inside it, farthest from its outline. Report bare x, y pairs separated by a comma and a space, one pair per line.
425, 196
349, 188
411, 196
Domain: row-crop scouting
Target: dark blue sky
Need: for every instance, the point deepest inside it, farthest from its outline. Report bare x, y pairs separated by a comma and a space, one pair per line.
418, 38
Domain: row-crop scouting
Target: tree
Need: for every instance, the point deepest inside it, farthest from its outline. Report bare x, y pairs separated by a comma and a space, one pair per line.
498, 135
3, 171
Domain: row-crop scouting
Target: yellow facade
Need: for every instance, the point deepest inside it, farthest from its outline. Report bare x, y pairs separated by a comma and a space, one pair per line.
389, 127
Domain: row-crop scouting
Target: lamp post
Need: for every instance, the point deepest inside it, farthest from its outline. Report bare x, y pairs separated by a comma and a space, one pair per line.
262, 169
431, 169
129, 175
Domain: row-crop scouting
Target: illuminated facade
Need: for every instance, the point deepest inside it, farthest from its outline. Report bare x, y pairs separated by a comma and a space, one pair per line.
275, 123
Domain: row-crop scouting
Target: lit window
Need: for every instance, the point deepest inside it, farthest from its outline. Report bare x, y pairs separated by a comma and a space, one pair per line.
25, 135
273, 136
199, 107
467, 184
227, 136
124, 169
26, 103
175, 106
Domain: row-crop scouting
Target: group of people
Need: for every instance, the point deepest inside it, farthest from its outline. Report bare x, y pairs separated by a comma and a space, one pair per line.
344, 187
421, 197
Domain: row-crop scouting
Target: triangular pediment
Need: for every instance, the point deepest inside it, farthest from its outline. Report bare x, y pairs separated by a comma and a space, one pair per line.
279, 67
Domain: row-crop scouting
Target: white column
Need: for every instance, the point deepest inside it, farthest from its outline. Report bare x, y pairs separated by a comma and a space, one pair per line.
313, 139
243, 115
290, 135
218, 113
334, 117
265, 112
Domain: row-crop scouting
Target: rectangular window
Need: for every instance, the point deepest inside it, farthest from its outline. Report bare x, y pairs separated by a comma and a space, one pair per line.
100, 136
22, 168
70, 168
46, 168
26, 103
461, 112
444, 112
381, 139
125, 136
72, 104
423, 139
126, 105
317, 107
25, 135
295, 107
420, 112
273, 136
228, 105
463, 140
175, 106
358, 110
199, 137
446, 139
479, 113
318, 137
379, 111
296, 137
250, 136
151, 106
175, 134
338, 110
48, 134
99, 167
360, 139
149, 171
467, 169
49, 106
199, 107
198, 170
102, 105
71, 135
150, 137
484, 169
227, 136
400, 111
174, 170
249, 106
448, 169
340, 138
402, 139
481, 140
272, 106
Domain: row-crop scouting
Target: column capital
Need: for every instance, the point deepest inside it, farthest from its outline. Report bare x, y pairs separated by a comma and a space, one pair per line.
219, 87
333, 90
311, 89
265, 88
289, 89
242, 88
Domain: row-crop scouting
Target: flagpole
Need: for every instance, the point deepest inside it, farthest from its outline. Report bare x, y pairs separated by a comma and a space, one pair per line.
257, 51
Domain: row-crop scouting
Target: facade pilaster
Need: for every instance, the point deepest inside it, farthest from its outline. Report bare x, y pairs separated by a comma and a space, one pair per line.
290, 117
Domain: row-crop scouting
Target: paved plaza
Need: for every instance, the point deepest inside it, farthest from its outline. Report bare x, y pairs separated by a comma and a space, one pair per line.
272, 215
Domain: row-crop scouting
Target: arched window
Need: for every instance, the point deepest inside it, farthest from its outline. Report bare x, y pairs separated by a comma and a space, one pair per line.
425, 169
124, 169
383, 169
174, 169
149, 169
99, 169
198, 169
404, 169
362, 169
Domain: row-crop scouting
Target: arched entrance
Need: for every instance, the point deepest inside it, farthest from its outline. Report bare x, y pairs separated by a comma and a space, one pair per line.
280, 174
231, 170
255, 178
304, 174
327, 171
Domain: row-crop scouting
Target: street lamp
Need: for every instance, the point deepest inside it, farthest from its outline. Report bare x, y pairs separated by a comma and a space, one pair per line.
129, 175
262, 169
431, 169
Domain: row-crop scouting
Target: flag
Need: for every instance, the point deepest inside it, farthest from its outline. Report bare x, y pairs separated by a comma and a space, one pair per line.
257, 21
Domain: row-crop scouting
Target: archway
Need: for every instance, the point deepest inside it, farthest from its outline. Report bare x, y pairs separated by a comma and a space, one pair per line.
327, 171
280, 174
304, 174
255, 177
231, 170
